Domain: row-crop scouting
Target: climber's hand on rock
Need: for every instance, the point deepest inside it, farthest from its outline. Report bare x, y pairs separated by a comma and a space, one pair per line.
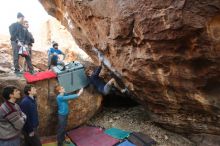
80, 92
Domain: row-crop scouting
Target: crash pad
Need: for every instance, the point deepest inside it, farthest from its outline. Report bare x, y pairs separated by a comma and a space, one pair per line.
31, 78
91, 136
126, 143
117, 133
140, 139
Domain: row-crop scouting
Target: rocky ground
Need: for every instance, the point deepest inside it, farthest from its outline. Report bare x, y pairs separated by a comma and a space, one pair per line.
135, 119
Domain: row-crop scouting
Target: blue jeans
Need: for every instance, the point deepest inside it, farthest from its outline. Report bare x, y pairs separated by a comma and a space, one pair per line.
62, 122
11, 142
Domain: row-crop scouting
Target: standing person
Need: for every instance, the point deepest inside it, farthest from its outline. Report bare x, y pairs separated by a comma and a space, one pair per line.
29, 41
29, 107
63, 111
29, 37
53, 53
12, 119
18, 39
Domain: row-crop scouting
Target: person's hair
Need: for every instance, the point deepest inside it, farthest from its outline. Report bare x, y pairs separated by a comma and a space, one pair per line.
25, 21
27, 88
56, 44
7, 91
57, 89
20, 15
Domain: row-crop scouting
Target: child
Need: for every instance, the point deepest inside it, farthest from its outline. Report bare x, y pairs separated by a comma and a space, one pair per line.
63, 111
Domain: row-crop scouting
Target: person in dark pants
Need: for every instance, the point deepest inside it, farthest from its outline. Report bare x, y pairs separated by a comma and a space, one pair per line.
100, 85
12, 119
29, 107
63, 111
18, 39
53, 59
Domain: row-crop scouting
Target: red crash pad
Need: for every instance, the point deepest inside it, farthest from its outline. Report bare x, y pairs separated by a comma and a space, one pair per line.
91, 136
39, 76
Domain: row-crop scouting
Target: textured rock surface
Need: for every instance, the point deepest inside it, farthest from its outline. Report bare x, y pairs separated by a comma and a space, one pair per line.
81, 109
167, 51
52, 30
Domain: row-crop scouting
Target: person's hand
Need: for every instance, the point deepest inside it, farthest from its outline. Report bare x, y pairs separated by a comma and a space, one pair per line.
31, 134
80, 92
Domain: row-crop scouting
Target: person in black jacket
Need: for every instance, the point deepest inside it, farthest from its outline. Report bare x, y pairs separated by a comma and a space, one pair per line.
18, 39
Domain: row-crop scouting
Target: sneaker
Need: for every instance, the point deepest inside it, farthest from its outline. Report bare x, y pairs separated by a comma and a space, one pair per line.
18, 73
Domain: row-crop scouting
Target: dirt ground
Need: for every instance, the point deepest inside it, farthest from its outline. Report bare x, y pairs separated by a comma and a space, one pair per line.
135, 119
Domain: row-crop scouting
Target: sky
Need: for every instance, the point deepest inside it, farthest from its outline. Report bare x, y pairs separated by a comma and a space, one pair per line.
31, 9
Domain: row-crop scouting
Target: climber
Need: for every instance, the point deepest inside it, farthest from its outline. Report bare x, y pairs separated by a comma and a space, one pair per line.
63, 111
18, 40
12, 119
29, 107
100, 85
53, 58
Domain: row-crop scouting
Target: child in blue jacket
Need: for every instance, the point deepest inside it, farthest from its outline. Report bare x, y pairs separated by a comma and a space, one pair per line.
63, 111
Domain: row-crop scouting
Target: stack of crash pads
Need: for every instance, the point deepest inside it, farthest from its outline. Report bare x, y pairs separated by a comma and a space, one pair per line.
72, 77
96, 136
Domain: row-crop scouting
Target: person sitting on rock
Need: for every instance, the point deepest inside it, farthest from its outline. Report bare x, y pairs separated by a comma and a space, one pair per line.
29, 107
63, 111
53, 58
12, 119
100, 85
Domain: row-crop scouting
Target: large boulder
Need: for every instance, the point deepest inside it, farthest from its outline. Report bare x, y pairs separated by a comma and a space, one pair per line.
167, 52
81, 109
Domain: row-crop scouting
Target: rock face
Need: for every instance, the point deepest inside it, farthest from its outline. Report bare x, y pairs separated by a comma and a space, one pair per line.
168, 52
81, 109
52, 30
